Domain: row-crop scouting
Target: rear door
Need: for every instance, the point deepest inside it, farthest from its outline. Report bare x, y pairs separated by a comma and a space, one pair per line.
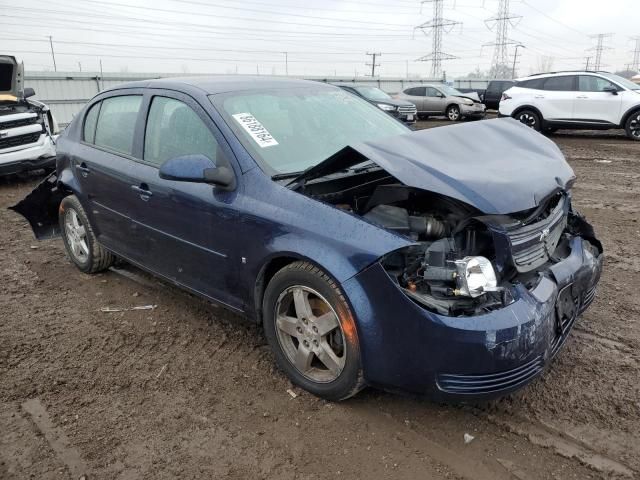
104, 163
593, 104
557, 100
416, 95
434, 100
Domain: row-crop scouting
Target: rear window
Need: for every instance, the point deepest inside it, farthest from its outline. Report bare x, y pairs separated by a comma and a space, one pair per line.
116, 123
535, 83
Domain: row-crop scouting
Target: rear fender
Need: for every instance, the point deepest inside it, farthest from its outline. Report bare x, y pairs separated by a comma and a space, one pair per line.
40, 207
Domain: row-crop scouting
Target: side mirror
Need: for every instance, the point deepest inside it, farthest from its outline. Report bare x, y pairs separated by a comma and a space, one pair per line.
28, 92
612, 90
197, 169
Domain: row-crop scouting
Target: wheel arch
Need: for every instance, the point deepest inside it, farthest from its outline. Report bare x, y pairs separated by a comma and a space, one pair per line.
627, 114
528, 107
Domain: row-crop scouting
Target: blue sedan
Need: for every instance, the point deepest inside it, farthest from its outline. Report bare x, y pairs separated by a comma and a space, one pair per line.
446, 262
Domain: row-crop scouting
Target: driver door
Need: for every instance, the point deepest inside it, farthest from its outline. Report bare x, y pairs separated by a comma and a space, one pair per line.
434, 101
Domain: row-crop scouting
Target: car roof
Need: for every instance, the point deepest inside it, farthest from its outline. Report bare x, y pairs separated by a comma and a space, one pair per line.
222, 83
561, 74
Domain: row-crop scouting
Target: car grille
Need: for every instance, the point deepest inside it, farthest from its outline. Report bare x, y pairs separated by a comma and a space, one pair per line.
23, 122
18, 140
489, 383
407, 110
532, 244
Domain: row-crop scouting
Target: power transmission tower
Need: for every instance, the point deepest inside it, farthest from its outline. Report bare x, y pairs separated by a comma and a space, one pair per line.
599, 48
635, 65
436, 26
373, 63
501, 22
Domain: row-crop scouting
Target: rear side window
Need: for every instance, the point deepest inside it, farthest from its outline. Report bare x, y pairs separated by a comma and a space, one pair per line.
90, 122
415, 91
535, 83
173, 130
560, 84
589, 83
117, 122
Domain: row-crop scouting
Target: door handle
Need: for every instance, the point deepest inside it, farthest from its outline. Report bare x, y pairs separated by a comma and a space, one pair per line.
582, 96
143, 191
84, 170
538, 96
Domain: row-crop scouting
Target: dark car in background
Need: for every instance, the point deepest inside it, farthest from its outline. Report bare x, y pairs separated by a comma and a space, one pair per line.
494, 91
401, 109
423, 261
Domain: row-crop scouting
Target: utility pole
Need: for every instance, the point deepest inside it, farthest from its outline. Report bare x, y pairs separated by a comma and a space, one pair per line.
436, 26
635, 65
53, 55
501, 22
373, 63
586, 67
515, 60
599, 48
80, 66
286, 63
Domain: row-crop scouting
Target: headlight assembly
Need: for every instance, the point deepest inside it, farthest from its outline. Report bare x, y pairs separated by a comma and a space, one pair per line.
475, 276
385, 107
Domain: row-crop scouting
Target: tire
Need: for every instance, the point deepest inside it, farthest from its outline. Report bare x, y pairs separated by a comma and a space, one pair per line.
632, 126
453, 113
299, 300
79, 240
529, 118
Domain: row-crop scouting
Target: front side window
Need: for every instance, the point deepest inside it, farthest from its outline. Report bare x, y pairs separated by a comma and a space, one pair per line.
174, 130
90, 122
432, 92
290, 130
589, 83
116, 123
560, 84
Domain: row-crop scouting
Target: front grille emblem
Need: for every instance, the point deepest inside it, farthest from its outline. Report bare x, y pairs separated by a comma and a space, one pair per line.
544, 234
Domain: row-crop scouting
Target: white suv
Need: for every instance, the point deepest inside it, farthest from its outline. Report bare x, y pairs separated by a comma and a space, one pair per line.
575, 100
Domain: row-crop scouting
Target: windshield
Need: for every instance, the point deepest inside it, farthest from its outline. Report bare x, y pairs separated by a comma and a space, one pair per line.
450, 90
621, 81
372, 93
291, 130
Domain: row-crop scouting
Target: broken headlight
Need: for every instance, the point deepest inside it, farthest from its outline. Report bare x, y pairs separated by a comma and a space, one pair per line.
475, 276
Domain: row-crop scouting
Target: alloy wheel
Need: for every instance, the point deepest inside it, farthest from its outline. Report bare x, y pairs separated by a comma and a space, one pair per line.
528, 119
310, 334
453, 114
76, 236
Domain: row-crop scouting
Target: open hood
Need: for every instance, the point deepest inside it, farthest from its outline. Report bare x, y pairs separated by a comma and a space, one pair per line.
497, 166
11, 78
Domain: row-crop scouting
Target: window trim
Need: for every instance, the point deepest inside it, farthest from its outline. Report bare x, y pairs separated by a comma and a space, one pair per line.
104, 96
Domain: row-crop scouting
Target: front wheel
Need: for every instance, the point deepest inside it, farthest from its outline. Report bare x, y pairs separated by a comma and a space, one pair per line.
79, 240
529, 118
632, 127
312, 333
453, 113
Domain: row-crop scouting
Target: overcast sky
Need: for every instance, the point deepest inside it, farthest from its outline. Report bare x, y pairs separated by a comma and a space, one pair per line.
321, 37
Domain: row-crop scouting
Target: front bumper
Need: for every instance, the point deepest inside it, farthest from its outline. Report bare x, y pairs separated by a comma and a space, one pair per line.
405, 347
41, 154
475, 110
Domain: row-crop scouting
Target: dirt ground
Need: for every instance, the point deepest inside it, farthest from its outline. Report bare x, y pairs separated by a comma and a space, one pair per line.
188, 390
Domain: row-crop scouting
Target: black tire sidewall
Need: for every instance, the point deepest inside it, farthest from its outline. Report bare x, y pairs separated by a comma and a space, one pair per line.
349, 380
72, 203
627, 127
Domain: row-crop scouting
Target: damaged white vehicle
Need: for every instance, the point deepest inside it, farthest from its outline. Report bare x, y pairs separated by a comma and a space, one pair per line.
27, 127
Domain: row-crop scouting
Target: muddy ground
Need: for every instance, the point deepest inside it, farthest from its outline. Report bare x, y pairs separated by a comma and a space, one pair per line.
189, 390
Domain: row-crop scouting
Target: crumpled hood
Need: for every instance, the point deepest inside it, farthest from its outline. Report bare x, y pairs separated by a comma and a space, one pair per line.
497, 166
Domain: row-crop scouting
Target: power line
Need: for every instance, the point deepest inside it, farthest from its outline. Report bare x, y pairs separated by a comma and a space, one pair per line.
436, 26
599, 48
373, 63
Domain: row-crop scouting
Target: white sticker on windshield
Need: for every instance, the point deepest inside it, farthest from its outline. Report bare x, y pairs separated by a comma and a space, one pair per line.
254, 128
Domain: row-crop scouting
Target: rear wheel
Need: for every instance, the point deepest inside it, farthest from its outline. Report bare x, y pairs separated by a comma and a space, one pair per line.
79, 240
530, 119
453, 113
312, 333
632, 127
